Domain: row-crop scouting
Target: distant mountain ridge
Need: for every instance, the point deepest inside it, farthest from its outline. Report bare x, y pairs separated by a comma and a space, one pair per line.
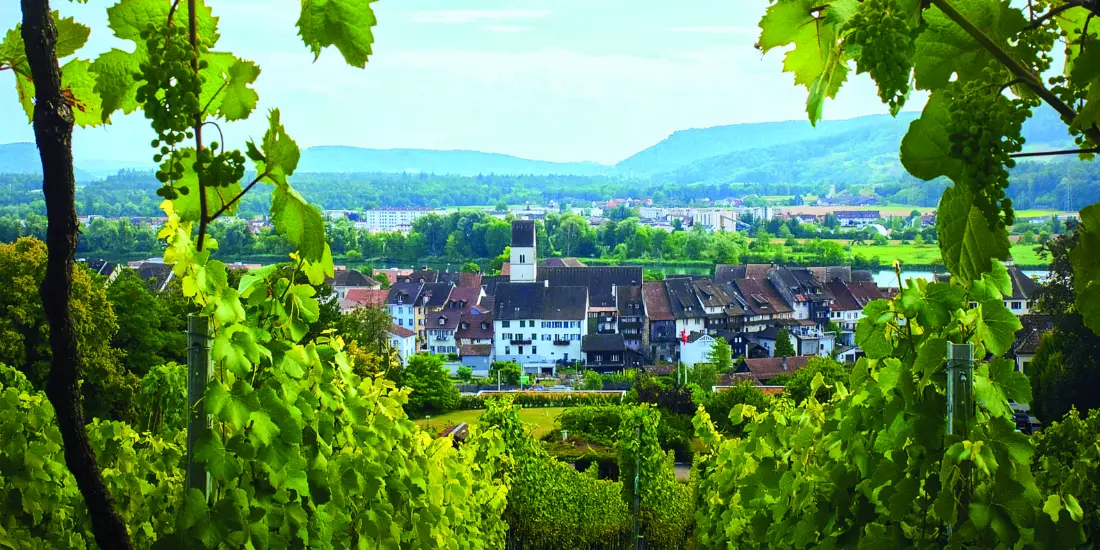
340, 158
862, 149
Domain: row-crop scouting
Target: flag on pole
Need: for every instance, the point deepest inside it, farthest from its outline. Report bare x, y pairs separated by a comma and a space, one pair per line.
684, 335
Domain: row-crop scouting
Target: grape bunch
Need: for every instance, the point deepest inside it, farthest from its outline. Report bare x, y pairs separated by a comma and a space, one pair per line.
879, 28
221, 169
984, 130
169, 96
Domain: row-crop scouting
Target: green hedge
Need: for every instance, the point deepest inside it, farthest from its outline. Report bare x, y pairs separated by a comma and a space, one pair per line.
542, 399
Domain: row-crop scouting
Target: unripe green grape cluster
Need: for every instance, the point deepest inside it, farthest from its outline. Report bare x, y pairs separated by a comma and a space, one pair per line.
169, 96
881, 30
221, 169
984, 130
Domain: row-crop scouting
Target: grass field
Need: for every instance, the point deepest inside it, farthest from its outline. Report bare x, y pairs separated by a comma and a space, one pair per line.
541, 419
929, 254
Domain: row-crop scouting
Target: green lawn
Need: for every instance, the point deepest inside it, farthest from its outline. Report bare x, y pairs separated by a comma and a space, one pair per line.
542, 419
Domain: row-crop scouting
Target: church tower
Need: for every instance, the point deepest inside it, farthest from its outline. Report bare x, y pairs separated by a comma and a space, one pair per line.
522, 260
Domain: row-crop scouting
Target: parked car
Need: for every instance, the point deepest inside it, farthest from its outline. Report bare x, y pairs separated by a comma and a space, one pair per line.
1026, 423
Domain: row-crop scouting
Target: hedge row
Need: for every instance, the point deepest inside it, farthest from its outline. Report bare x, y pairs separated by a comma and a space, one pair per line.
542, 399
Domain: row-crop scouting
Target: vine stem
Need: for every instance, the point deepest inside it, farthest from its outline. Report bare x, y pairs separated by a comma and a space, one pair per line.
193, 34
1018, 69
238, 196
1058, 152
53, 134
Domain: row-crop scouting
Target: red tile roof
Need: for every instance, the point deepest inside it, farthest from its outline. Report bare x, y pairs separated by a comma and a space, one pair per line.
469, 280
367, 297
763, 369
761, 297
398, 330
473, 330
657, 306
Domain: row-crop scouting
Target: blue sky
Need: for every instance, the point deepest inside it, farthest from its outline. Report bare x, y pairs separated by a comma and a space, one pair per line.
567, 80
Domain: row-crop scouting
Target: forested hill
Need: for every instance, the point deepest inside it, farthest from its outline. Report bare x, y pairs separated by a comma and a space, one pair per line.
685, 147
858, 150
341, 159
22, 158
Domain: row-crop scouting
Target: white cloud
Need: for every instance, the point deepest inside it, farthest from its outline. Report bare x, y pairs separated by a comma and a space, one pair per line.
715, 29
507, 29
458, 17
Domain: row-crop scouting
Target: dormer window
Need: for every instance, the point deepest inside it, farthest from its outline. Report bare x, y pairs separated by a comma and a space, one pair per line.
484, 326
442, 321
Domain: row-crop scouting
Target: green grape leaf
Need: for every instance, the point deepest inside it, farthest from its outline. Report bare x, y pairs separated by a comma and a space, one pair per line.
871, 330
280, 153
1053, 507
304, 303
1086, 266
233, 407
225, 90
945, 48
129, 17
71, 36
78, 80
299, 222
997, 326
993, 285
817, 60
263, 429
1086, 73
13, 54
236, 349
194, 510
926, 149
931, 357
115, 82
222, 465
345, 24
968, 245
317, 272
1013, 383
279, 413
939, 302
1074, 508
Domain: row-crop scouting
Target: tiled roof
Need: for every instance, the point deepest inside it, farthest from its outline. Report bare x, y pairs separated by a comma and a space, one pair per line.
475, 326
681, 296
843, 299
1023, 287
537, 301
450, 320
400, 331
603, 342
629, 300
351, 277
155, 274
469, 295
865, 292
437, 294
657, 306
367, 297
761, 298
408, 292
450, 277
468, 280
858, 214
475, 350
490, 282
727, 273
1031, 333
598, 280
764, 369
422, 276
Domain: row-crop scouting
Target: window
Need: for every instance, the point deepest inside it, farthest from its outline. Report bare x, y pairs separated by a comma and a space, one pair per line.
614, 357
1016, 305
522, 260
520, 350
507, 350
534, 350
442, 321
503, 324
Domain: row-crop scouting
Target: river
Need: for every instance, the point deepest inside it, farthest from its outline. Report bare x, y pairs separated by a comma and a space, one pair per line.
887, 278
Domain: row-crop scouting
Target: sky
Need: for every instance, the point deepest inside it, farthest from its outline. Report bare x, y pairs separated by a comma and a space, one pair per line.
568, 80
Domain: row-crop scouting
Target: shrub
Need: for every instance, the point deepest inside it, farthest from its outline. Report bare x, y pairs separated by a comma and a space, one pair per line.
593, 381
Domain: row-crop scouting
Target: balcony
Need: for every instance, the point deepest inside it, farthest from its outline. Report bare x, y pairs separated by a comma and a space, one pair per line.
630, 325
562, 342
520, 342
